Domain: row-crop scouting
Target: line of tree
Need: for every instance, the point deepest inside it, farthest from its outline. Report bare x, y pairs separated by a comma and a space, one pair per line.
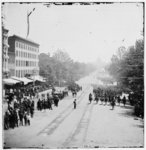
127, 68
59, 69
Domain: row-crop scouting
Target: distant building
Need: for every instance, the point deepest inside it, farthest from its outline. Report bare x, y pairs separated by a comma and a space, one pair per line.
5, 56
23, 56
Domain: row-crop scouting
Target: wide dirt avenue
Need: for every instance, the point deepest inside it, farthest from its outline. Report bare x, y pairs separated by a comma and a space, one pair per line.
88, 126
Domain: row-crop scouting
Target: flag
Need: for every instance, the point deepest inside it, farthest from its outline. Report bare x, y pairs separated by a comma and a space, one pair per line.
28, 26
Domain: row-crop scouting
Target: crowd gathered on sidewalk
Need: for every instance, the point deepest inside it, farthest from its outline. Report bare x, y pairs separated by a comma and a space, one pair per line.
21, 103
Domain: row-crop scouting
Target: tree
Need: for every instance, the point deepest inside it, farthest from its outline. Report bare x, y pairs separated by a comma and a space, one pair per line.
60, 68
128, 69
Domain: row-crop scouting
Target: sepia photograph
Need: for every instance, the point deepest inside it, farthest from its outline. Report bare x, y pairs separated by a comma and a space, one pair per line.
72, 75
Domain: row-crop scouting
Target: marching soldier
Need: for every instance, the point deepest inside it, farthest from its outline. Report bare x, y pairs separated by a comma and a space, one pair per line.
75, 104
90, 98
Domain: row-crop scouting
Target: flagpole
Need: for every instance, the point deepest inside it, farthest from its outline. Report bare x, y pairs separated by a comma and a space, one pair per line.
28, 26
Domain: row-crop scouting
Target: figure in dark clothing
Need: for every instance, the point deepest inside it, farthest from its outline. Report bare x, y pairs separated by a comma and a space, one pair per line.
6, 120
90, 97
105, 100
26, 119
96, 99
32, 109
21, 116
49, 104
75, 104
124, 101
15, 118
12, 119
119, 100
102, 99
113, 103
56, 100
38, 104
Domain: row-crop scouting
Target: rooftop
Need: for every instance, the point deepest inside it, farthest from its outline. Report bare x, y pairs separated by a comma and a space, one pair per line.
24, 39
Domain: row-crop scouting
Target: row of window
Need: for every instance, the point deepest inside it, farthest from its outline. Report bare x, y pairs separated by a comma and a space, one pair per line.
23, 63
22, 73
25, 54
26, 47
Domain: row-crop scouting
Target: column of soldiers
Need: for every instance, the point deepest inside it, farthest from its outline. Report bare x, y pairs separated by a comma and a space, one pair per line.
107, 96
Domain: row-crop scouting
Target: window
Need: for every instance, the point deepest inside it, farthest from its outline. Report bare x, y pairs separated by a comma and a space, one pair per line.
22, 73
16, 44
16, 53
27, 63
16, 73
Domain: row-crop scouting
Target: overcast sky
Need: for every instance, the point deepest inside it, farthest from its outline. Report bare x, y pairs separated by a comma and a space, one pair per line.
85, 32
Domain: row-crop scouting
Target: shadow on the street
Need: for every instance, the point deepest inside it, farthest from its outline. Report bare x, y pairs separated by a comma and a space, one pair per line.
125, 107
139, 126
127, 113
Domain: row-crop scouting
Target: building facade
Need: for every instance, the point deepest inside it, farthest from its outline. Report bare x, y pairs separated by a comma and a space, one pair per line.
23, 57
5, 56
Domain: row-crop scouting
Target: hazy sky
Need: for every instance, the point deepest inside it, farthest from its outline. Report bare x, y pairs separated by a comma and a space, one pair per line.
85, 32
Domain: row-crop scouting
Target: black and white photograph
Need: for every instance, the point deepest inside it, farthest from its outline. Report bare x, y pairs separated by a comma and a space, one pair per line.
72, 75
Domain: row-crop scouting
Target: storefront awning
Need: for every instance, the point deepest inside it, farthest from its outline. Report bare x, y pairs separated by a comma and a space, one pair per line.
37, 78
10, 81
24, 80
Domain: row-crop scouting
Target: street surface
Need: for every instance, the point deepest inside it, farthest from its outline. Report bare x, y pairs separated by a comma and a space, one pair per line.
88, 126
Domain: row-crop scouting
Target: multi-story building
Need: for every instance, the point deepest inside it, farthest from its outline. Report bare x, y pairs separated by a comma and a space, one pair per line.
23, 56
5, 47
